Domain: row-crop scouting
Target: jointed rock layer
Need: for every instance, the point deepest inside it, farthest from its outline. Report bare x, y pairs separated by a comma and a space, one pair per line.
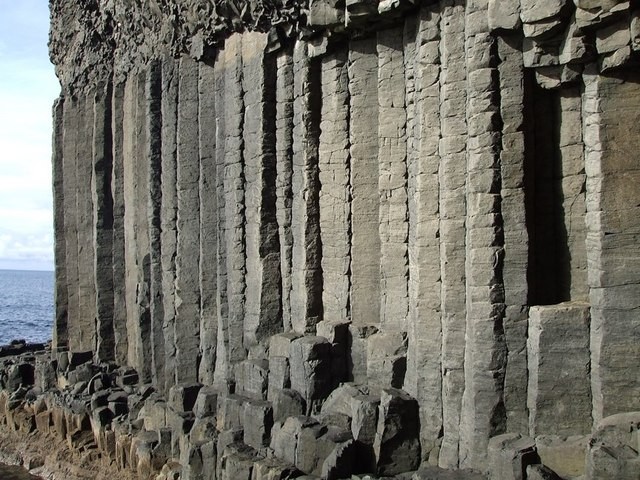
436, 202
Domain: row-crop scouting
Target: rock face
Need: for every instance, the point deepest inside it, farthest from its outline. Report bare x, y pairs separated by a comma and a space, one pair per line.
436, 201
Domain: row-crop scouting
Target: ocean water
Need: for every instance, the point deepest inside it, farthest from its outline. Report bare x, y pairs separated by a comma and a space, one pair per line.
26, 305
26, 311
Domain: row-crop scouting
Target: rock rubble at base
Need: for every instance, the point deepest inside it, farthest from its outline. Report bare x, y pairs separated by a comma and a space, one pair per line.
203, 433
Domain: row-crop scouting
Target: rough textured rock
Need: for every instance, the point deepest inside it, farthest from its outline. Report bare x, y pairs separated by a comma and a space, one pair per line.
258, 201
562, 332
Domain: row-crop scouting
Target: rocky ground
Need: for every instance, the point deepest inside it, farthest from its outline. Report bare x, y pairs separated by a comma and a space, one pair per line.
64, 417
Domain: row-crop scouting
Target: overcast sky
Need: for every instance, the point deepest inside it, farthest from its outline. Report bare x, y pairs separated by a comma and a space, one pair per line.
27, 89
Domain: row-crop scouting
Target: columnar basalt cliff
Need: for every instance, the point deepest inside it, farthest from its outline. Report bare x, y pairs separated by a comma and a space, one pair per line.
335, 238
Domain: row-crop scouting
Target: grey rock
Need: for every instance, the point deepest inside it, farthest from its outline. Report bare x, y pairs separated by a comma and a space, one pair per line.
509, 456
397, 440
311, 370
613, 448
230, 411
182, 398
564, 455
288, 403
558, 357
252, 379
541, 472
257, 422
206, 403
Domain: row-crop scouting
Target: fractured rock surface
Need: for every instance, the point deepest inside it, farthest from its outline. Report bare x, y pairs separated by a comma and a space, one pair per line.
329, 239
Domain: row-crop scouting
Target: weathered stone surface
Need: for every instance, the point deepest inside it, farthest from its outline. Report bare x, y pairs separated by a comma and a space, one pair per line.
559, 394
274, 198
335, 196
287, 403
208, 222
452, 209
363, 149
613, 448
183, 397
257, 423
509, 456
230, 411
386, 359
541, 472
252, 378
564, 455
311, 370
397, 439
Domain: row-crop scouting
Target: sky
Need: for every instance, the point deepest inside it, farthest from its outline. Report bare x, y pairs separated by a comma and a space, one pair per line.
28, 87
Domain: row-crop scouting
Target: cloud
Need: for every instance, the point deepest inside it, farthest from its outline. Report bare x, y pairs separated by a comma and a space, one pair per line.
27, 89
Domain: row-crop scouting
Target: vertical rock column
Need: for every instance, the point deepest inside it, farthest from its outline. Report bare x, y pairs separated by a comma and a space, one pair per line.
452, 207
363, 141
137, 261
335, 194
572, 195
71, 125
483, 413
85, 334
168, 214
231, 327
516, 237
187, 294
102, 200
117, 192
424, 372
612, 105
559, 393
208, 221
60, 327
306, 253
153, 127
284, 169
220, 371
392, 181
263, 314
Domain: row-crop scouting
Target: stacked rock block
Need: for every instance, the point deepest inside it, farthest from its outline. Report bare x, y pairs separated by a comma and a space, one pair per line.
435, 200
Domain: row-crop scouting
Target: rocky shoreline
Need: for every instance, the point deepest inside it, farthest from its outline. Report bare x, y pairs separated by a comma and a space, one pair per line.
64, 417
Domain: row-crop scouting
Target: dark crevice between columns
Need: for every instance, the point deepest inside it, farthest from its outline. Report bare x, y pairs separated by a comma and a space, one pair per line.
104, 223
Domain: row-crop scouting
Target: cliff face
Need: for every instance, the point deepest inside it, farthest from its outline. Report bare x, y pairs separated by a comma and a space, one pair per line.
435, 201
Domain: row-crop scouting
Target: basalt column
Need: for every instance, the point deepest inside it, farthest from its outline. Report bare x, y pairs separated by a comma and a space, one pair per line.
483, 414
187, 293
153, 128
516, 237
230, 348
335, 192
102, 200
284, 170
168, 213
85, 333
306, 254
452, 208
121, 342
71, 122
60, 329
392, 179
610, 107
363, 140
208, 221
263, 308
136, 234
424, 356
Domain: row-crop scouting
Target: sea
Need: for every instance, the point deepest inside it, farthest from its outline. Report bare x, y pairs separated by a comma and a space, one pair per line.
26, 305
26, 312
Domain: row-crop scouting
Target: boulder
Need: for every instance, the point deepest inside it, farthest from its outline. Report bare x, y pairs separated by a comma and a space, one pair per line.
397, 440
